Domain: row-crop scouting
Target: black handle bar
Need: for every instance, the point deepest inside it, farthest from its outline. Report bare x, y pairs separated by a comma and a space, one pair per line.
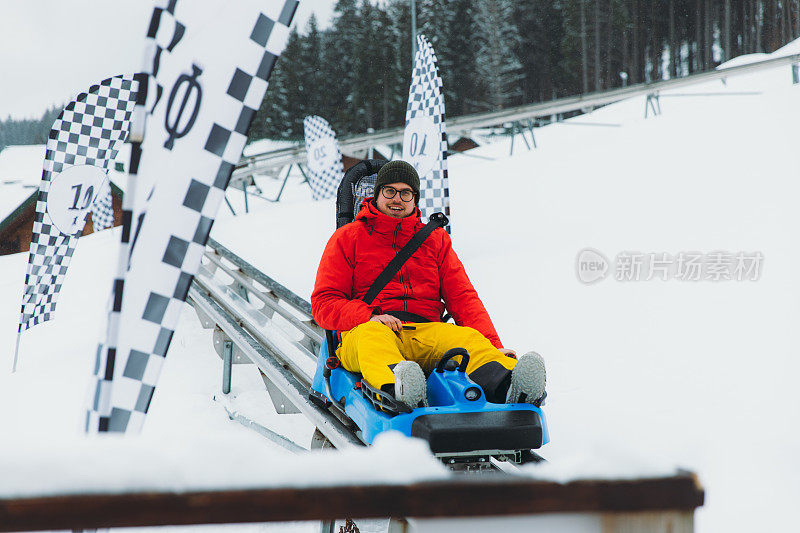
449, 354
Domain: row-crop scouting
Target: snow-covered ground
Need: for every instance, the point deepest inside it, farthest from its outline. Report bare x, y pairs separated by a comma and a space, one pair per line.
643, 376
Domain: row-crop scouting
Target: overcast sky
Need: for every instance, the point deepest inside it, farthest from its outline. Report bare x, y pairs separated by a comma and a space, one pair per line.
50, 50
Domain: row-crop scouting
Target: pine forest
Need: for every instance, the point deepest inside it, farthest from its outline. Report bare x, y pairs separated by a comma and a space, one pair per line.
492, 54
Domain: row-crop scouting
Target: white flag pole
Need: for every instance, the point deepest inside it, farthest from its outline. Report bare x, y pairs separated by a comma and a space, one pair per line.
16, 352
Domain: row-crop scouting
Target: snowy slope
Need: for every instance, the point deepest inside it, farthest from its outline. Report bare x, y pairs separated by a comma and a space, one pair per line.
643, 376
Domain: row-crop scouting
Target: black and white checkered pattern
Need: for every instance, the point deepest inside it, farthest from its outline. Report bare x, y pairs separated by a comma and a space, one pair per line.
89, 131
164, 239
365, 188
324, 182
425, 99
103, 209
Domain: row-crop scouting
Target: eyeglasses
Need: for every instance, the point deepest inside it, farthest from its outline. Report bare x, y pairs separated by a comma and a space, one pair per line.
389, 192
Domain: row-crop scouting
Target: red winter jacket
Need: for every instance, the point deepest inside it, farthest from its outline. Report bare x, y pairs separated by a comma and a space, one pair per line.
358, 252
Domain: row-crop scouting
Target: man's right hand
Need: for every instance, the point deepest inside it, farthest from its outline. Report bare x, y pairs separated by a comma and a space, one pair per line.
394, 323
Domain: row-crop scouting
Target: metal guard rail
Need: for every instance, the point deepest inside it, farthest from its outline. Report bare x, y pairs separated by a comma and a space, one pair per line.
297, 154
271, 364
255, 274
258, 320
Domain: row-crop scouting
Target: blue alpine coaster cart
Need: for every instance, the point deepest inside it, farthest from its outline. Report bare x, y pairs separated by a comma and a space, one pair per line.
461, 427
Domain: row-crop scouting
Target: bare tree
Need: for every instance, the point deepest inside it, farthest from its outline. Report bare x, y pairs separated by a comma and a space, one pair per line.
727, 30
636, 61
707, 38
673, 46
757, 17
626, 62
584, 51
597, 66
797, 19
609, 44
699, 36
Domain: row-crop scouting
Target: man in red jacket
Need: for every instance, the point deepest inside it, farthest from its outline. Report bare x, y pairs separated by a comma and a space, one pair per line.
392, 340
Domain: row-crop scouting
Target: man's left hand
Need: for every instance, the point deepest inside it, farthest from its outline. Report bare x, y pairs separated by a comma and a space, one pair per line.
508, 352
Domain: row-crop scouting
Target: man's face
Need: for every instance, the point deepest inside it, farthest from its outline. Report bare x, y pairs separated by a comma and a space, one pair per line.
395, 207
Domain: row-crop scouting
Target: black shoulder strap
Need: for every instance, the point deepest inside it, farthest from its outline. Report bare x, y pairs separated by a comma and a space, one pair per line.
437, 220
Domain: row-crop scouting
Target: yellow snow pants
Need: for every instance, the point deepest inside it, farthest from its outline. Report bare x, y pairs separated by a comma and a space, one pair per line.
373, 349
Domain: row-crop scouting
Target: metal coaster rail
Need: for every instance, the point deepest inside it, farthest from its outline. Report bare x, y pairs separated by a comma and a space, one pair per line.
270, 160
257, 320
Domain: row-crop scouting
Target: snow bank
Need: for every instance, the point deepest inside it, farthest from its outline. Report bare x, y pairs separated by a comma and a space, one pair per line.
584, 459
114, 464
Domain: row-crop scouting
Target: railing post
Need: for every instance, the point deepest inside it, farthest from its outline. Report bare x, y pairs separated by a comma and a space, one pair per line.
530, 128
521, 131
230, 206
653, 102
285, 179
303, 172
227, 366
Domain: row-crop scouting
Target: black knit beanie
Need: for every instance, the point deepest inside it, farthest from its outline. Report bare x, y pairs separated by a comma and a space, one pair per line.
398, 172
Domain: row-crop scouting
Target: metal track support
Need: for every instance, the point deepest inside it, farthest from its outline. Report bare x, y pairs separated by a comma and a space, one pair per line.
227, 367
653, 102
303, 172
230, 206
339, 435
276, 438
516, 128
530, 129
279, 400
283, 185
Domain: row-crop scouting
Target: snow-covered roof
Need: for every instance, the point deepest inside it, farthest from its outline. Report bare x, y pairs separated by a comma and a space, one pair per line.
21, 173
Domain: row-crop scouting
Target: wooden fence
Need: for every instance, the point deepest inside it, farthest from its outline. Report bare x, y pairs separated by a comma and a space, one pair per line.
466, 496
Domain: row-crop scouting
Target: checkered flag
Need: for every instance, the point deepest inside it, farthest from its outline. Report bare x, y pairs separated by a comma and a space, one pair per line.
103, 209
425, 139
81, 147
324, 158
205, 76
